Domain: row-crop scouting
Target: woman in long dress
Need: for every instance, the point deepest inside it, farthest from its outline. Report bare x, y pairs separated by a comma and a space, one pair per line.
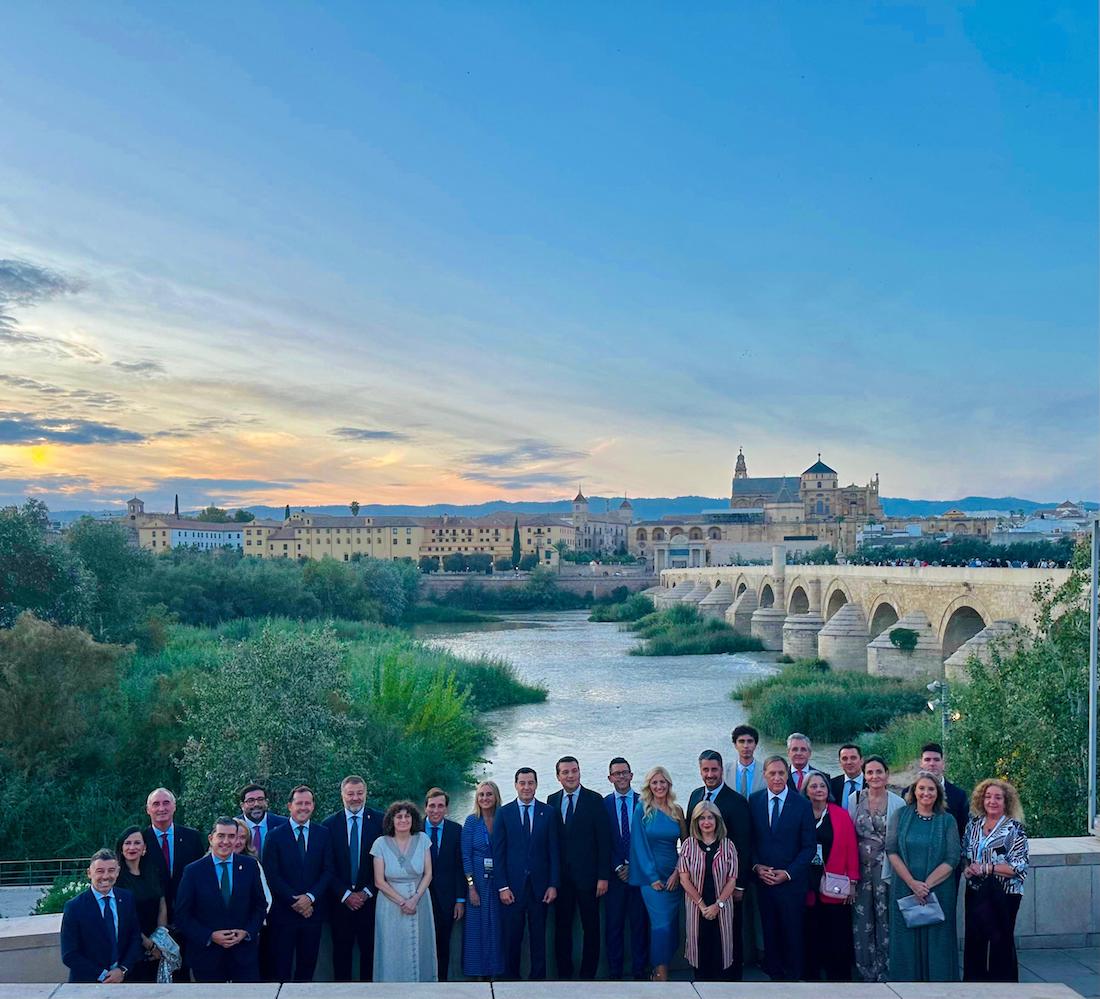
483, 937
922, 842
870, 811
138, 875
404, 928
708, 877
657, 829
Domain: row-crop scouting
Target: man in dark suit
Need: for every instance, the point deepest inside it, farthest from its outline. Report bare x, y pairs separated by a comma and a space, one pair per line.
353, 831
526, 862
849, 782
799, 751
958, 803
298, 865
448, 885
735, 815
783, 844
254, 811
172, 848
585, 841
623, 902
100, 935
220, 907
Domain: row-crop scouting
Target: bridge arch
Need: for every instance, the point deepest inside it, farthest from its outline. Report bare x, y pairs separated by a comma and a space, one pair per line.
835, 598
883, 615
799, 602
767, 596
961, 621
741, 586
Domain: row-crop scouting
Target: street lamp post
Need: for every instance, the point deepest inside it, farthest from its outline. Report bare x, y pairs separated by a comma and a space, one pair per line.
939, 687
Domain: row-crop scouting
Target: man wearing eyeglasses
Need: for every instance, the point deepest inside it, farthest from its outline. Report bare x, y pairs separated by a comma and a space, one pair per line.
254, 811
623, 901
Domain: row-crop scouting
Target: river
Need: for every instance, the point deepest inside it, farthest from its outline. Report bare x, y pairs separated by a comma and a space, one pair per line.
604, 702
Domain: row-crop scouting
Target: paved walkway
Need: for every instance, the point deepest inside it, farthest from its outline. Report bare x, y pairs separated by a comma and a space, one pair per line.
1079, 969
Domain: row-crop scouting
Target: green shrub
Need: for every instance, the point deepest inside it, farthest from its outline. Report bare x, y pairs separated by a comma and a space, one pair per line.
904, 639
899, 743
633, 608
438, 614
680, 631
784, 658
831, 712
64, 888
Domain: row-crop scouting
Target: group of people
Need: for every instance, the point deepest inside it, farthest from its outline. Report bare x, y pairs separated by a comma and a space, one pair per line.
773, 861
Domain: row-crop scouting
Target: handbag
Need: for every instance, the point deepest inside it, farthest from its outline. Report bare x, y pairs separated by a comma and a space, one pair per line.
835, 885
917, 915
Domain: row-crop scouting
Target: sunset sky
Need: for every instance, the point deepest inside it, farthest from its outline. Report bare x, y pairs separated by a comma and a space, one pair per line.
415, 252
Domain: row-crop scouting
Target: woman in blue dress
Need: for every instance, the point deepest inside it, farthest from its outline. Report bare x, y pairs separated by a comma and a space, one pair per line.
657, 828
482, 939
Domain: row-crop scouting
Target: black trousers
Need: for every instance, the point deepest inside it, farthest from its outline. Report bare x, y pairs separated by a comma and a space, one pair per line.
528, 912
573, 898
989, 951
295, 946
348, 929
828, 935
234, 964
622, 904
781, 919
443, 912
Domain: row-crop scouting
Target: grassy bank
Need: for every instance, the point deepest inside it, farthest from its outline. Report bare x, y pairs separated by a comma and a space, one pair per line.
680, 631
539, 592
809, 697
441, 614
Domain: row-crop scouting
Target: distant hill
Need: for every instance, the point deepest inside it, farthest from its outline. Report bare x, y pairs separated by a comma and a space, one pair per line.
645, 508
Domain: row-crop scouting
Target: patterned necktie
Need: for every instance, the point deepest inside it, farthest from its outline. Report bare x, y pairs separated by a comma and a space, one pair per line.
775, 813
353, 849
710, 796
258, 839
109, 926
224, 881
624, 820
851, 789
798, 785
166, 850
569, 809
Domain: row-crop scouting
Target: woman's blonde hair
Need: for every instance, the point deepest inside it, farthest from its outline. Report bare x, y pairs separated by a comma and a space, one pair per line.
1013, 808
492, 785
649, 806
911, 795
248, 847
707, 808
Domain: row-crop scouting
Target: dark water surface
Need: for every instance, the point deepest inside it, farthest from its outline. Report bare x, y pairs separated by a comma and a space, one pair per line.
603, 702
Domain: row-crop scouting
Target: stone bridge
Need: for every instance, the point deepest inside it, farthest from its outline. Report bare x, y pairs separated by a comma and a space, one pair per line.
846, 613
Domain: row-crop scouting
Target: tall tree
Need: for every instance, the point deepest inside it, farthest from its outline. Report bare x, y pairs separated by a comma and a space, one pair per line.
354, 507
517, 550
244, 517
118, 567
214, 515
177, 506
286, 512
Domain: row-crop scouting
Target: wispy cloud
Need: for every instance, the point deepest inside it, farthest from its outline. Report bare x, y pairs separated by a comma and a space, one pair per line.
519, 480
24, 283
24, 428
367, 434
144, 369
83, 397
525, 452
12, 335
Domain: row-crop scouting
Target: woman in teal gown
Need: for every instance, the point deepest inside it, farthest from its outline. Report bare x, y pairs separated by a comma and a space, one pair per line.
657, 828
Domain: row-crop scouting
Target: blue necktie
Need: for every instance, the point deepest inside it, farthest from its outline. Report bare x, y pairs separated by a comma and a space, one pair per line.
527, 819
109, 926
624, 820
569, 809
224, 881
851, 789
775, 813
353, 849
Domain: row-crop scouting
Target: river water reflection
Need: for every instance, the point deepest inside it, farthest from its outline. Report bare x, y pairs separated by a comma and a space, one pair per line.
604, 702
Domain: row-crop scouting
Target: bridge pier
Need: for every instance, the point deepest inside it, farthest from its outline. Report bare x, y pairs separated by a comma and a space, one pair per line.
717, 602
800, 630
926, 660
739, 614
843, 640
1002, 632
698, 591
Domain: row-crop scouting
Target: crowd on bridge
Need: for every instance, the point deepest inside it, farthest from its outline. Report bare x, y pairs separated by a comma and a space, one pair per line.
773, 862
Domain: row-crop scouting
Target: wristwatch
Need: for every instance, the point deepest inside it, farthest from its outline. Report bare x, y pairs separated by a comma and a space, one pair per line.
721, 905
469, 880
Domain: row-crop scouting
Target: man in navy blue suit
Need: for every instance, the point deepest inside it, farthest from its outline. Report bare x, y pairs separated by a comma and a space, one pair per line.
220, 907
100, 935
298, 865
254, 811
526, 864
623, 900
783, 844
353, 830
448, 885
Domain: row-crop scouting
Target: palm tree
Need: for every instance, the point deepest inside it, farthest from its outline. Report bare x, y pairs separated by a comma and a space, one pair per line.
354, 507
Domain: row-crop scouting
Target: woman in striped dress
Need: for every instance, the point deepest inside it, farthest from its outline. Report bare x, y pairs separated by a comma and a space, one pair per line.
708, 876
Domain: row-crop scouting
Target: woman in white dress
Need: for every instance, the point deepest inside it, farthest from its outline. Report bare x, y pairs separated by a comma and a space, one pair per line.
404, 928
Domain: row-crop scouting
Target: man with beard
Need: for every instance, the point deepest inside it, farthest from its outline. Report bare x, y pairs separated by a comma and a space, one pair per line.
253, 802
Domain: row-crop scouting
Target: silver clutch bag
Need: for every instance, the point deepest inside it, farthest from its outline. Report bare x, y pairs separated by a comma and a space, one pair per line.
917, 915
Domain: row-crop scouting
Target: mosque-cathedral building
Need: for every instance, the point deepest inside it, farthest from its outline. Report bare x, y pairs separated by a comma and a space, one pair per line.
803, 512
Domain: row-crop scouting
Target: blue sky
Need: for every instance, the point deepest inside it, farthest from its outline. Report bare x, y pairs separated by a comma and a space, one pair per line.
417, 252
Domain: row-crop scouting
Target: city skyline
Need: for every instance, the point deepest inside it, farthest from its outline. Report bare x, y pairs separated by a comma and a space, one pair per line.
446, 253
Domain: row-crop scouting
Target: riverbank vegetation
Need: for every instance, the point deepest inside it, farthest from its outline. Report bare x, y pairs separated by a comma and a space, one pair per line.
121, 671
540, 592
834, 706
633, 608
681, 631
